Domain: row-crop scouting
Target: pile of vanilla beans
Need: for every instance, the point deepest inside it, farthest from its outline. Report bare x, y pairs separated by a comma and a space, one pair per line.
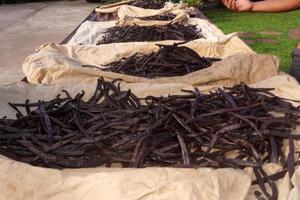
149, 4
168, 61
163, 17
137, 33
234, 127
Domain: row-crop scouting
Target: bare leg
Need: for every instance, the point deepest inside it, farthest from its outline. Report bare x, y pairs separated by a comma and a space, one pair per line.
295, 67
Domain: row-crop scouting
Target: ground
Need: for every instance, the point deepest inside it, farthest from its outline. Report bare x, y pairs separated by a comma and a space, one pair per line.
265, 32
24, 27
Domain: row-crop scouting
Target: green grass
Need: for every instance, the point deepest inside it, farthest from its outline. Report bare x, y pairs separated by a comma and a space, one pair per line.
229, 21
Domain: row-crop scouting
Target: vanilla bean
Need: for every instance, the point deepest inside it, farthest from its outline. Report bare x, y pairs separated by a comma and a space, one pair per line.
169, 60
190, 130
135, 33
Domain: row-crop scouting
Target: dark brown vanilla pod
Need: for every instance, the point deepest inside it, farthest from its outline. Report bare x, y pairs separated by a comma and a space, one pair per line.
168, 61
164, 17
149, 4
177, 31
235, 127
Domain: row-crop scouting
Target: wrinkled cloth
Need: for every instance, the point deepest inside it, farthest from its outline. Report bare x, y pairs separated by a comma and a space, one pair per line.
127, 11
27, 182
64, 63
90, 33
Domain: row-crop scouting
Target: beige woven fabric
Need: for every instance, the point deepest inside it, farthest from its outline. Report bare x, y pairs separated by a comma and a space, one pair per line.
124, 11
92, 32
54, 63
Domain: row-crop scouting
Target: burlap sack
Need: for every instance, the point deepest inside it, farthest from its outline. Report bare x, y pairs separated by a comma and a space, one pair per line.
63, 63
112, 5
180, 18
92, 32
295, 192
22, 181
125, 11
